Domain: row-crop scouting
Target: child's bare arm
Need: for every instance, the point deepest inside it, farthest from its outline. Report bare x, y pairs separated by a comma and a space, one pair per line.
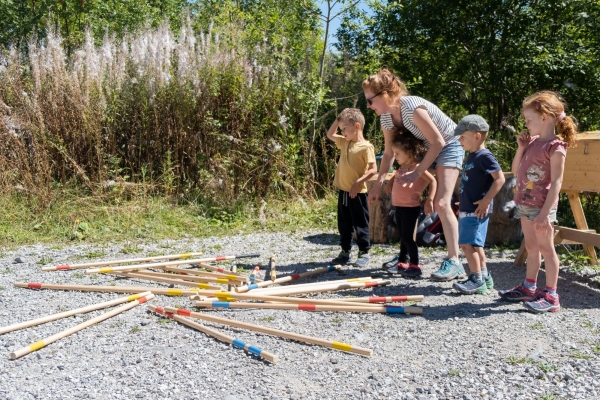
432, 184
389, 186
370, 172
332, 132
557, 168
483, 205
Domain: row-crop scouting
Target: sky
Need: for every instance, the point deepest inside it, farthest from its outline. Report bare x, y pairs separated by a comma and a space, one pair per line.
335, 24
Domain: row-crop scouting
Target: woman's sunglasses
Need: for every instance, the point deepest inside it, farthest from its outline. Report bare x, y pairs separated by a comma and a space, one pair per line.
370, 99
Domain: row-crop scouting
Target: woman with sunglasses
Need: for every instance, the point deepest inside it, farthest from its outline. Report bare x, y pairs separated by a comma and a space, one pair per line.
388, 97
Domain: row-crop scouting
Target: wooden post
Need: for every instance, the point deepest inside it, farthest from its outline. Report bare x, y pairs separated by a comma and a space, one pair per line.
110, 289
126, 268
272, 268
290, 278
65, 314
226, 338
122, 261
51, 339
313, 307
270, 331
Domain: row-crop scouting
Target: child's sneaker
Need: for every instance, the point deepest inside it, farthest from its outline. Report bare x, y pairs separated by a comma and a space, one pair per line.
391, 263
519, 293
450, 269
342, 258
471, 286
362, 260
398, 268
413, 271
545, 302
489, 281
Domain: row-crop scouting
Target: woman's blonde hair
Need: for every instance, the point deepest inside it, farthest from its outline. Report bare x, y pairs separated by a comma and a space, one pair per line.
553, 105
389, 85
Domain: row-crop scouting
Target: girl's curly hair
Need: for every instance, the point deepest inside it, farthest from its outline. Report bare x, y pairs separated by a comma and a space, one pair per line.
405, 140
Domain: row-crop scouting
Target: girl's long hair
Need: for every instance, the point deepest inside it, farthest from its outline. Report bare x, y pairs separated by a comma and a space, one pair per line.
553, 105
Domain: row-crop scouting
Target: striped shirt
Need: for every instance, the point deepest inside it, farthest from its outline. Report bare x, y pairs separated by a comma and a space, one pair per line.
408, 104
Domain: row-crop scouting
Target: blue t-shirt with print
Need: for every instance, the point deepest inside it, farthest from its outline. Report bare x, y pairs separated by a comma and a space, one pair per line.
476, 179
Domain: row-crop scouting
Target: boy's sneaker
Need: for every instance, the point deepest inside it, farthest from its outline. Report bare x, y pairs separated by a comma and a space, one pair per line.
450, 269
391, 263
471, 286
519, 293
362, 260
413, 271
489, 281
398, 268
342, 258
545, 302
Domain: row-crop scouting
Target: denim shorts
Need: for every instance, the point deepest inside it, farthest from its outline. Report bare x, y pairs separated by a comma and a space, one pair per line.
531, 212
452, 155
472, 230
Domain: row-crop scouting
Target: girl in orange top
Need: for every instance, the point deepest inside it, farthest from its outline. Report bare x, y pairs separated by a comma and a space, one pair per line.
408, 151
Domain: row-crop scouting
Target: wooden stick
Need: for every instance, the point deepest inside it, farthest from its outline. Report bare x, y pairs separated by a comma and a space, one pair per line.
233, 270
220, 270
226, 296
253, 275
226, 338
275, 332
243, 289
388, 299
122, 261
313, 307
189, 278
272, 268
171, 281
110, 289
313, 284
126, 268
51, 339
225, 275
82, 310
290, 290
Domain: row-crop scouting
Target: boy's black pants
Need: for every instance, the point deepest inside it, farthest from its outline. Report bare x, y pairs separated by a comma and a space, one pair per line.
353, 213
406, 221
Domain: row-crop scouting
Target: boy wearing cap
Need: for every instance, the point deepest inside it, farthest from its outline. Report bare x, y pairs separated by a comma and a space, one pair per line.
481, 180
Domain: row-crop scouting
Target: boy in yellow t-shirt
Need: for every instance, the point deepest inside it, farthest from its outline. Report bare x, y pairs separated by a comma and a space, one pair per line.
355, 166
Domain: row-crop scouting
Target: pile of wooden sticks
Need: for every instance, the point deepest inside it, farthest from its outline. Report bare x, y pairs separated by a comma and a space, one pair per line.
203, 285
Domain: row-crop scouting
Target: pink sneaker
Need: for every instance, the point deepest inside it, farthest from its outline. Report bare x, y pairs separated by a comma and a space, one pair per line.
545, 302
398, 268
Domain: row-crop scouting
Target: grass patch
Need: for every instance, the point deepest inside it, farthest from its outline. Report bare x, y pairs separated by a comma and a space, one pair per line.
545, 367
514, 360
548, 396
454, 372
95, 254
576, 353
2, 288
147, 218
78, 275
45, 260
587, 324
539, 325
596, 349
135, 329
336, 320
163, 321
268, 319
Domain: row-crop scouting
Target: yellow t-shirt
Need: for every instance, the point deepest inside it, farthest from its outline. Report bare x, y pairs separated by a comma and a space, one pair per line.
353, 163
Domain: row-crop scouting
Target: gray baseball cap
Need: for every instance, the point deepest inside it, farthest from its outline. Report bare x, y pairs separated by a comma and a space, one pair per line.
473, 122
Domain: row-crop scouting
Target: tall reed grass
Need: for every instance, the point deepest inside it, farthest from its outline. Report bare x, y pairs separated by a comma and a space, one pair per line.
192, 115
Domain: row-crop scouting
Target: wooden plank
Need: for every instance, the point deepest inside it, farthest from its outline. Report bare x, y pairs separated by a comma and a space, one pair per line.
589, 238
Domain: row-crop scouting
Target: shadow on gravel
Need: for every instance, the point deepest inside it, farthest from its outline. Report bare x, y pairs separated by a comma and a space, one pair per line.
323, 238
574, 291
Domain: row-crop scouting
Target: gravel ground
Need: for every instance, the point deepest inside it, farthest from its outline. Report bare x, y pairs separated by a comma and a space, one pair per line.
462, 347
